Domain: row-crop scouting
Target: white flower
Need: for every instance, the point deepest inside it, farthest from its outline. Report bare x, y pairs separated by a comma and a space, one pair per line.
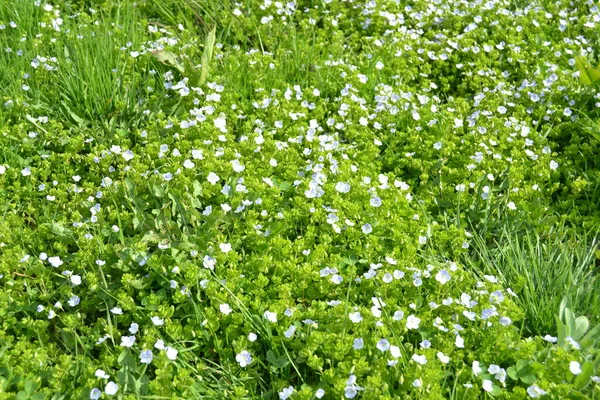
127, 341
75, 280
444, 359
319, 393
487, 385
189, 164
73, 301
493, 369
225, 247
157, 321
575, 367
270, 316
102, 339
358, 344
286, 393
395, 351
116, 311
412, 322
221, 124
355, 317
419, 359
55, 261
459, 342
133, 328
367, 228
477, 369
101, 374
383, 345
225, 308
551, 339
375, 201
534, 392
146, 357
442, 277
26, 171
422, 239
128, 155
243, 358
213, 178
106, 182
252, 337
111, 388
398, 315
290, 331
342, 187
171, 353
511, 205
95, 394
237, 167
553, 165
209, 262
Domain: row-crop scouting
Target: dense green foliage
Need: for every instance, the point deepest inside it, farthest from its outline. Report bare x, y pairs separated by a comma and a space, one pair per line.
316, 199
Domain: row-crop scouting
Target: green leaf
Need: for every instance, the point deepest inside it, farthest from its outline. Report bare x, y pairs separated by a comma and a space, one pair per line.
581, 326
30, 386
528, 378
158, 190
496, 391
169, 58
60, 230
588, 75
22, 395
592, 336
151, 237
279, 362
523, 367
130, 185
587, 370
512, 373
569, 322
271, 357
126, 359
284, 186
197, 189
207, 54
562, 331
564, 304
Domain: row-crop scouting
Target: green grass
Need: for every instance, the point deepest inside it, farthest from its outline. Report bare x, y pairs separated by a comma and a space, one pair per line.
543, 269
468, 143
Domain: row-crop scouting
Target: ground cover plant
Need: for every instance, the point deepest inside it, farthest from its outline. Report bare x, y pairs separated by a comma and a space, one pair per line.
299, 200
